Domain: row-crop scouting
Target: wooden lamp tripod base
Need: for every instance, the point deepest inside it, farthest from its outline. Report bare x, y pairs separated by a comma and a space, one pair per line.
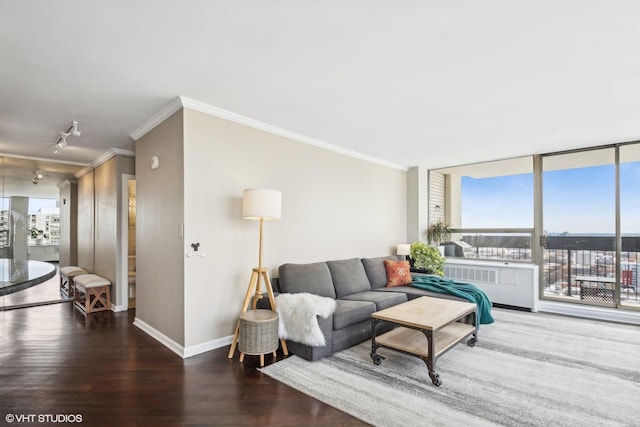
258, 275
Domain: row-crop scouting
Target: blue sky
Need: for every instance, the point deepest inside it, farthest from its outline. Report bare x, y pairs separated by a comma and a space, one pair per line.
575, 200
504, 201
34, 204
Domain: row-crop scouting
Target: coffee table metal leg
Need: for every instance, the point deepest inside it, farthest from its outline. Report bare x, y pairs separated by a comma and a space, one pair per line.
471, 342
377, 359
430, 360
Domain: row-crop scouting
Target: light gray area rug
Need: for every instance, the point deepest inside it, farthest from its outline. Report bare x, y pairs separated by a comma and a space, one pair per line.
527, 369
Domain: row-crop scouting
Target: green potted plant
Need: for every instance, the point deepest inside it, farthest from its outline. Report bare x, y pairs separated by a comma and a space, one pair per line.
428, 258
36, 234
437, 232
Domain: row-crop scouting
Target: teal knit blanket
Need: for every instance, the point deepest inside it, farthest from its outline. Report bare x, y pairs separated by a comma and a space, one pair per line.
460, 289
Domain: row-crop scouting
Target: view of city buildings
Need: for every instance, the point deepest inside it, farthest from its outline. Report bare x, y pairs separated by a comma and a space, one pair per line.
47, 220
565, 258
580, 258
43, 217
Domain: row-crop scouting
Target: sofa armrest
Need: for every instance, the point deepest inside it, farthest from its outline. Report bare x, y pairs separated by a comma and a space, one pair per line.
315, 353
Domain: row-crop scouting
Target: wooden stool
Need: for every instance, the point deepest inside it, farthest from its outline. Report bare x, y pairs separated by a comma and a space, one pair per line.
96, 290
66, 278
258, 333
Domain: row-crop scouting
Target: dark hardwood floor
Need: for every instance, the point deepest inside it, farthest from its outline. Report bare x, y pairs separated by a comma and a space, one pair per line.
54, 360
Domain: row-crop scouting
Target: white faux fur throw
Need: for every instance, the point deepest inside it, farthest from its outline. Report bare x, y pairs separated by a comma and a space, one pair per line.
297, 314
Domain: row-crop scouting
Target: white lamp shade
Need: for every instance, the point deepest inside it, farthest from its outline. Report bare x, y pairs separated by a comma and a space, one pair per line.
403, 249
261, 203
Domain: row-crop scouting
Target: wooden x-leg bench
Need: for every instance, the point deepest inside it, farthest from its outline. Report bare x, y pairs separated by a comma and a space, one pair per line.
66, 278
93, 293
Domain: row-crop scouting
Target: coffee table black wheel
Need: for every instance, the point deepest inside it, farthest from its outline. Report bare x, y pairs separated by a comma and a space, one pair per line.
471, 342
435, 379
377, 359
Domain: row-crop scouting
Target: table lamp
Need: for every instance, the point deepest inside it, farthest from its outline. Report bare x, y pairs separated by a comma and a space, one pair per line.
403, 249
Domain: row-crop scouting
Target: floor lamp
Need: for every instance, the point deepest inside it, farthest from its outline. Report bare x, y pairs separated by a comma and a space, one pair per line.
259, 204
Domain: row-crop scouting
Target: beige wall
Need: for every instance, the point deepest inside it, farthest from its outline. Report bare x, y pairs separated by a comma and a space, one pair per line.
333, 206
108, 216
68, 223
86, 221
160, 215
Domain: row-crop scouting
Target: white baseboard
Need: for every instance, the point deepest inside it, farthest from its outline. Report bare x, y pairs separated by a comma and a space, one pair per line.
179, 349
117, 308
590, 312
207, 346
162, 338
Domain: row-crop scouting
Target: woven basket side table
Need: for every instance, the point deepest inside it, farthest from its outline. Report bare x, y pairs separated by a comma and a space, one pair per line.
258, 333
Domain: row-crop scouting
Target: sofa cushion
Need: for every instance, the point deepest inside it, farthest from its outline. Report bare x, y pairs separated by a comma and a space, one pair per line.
351, 312
374, 267
348, 276
413, 293
398, 273
314, 278
382, 300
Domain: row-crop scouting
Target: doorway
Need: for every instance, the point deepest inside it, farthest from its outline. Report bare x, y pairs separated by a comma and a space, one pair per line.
127, 250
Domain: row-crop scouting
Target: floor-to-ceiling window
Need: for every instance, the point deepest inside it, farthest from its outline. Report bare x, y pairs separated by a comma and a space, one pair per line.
629, 224
586, 232
579, 221
489, 206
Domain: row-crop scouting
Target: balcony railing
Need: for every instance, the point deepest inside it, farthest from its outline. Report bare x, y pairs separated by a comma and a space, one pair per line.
568, 259
572, 264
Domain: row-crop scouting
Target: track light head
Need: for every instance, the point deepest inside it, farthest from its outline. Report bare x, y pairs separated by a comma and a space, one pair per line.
62, 140
74, 129
37, 175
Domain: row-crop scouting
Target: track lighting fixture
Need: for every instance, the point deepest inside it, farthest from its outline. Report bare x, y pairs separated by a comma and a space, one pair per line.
37, 175
62, 140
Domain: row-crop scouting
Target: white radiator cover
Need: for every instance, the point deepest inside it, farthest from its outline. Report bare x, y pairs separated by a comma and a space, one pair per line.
504, 283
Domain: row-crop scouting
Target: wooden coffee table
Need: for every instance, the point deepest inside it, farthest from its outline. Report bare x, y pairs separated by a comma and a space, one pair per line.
426, 328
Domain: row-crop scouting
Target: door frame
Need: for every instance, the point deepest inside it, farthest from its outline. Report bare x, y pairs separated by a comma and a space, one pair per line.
123, 290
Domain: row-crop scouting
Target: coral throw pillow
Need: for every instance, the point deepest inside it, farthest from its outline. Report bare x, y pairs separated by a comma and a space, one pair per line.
398, 273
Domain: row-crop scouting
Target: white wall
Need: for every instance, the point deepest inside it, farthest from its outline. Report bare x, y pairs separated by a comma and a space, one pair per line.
334, 207
437, 198
417, 204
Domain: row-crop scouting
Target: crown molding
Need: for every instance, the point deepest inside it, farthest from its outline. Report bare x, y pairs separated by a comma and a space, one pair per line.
182, 102
110, 154
157, 118
243, 120
67, 182
82, 172
42, 159
105, 157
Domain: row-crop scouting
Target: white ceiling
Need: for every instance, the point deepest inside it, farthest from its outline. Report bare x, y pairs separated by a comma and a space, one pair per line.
424, 82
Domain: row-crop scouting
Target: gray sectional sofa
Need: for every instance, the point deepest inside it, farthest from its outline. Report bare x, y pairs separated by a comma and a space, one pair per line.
359, 288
